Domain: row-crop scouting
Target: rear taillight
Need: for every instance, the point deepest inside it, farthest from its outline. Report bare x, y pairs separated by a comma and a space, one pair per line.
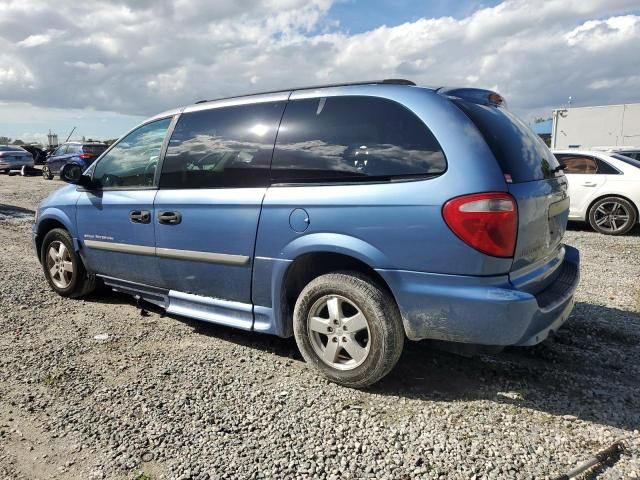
486, 221
84, 156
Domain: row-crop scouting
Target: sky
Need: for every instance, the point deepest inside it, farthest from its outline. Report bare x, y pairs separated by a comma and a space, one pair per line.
104, 65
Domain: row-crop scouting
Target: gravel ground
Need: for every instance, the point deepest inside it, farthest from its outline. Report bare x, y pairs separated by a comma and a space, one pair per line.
165, 397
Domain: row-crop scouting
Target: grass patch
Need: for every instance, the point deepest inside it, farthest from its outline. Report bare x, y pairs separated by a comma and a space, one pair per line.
53, 378
142, 476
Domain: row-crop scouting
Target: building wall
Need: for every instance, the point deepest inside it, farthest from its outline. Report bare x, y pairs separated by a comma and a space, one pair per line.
586, 127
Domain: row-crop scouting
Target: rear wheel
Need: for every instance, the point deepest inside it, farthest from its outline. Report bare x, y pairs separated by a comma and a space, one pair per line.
63, 267
46, 173
348, 328
612, 216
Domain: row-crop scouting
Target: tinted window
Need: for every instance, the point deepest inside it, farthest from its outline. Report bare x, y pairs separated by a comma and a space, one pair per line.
73, 149
605, 169
353, 138
132, 161
578, 164
94, 149
12, 148
519, 152
222, 147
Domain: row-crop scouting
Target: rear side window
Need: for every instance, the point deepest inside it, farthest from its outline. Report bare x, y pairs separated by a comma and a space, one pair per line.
222, 147
578, 164
352, 138
520, 153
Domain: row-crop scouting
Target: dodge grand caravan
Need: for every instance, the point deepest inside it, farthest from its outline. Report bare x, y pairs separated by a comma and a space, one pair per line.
351, 216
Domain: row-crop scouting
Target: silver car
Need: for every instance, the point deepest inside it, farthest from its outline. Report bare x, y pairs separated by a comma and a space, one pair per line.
13, 157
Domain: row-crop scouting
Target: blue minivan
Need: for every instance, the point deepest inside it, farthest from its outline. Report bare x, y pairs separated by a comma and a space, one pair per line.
351, 216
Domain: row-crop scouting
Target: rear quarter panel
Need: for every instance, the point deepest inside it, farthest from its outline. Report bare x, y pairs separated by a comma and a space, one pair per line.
386, 225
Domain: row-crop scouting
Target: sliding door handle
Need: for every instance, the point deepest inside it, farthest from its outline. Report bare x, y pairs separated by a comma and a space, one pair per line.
169, 218
140, 216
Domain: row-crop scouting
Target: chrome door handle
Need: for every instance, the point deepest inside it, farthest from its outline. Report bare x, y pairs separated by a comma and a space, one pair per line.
589, 184
140, 216
169, 218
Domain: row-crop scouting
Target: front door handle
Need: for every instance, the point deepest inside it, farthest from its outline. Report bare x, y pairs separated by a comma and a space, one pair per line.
140, 216
589, 184
169, 218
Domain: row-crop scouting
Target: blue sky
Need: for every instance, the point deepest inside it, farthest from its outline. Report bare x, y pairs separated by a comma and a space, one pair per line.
105, 65
360, 16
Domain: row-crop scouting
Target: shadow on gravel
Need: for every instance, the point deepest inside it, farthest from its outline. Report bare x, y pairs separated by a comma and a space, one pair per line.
11, 211
589, 370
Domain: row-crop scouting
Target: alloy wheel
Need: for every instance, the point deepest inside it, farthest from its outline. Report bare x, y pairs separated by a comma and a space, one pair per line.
339, 332
60, 264
612, 216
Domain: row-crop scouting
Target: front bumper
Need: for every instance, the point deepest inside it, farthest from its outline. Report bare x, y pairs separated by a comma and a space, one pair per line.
483, 310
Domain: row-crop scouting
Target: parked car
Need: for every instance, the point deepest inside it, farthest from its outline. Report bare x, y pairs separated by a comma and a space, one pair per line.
76, 155
39, 155
381, 211
631, 152
14, 157
604, 189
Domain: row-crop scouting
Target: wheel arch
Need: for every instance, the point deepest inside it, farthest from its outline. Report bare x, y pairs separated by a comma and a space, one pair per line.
49, 222
310, 265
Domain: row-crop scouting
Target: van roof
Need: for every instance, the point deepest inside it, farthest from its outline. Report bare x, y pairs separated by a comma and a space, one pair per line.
386, 81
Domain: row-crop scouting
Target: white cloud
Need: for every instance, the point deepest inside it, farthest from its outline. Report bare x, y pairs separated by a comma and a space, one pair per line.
141, 57
34, 40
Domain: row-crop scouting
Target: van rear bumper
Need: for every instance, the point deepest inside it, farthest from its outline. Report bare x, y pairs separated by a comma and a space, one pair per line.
482, 310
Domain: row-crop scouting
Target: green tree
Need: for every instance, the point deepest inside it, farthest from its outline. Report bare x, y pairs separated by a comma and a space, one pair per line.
5, 140
17, 141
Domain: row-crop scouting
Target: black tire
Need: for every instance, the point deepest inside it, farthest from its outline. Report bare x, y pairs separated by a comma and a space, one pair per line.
46, 173
625, 216
385, 330
80, 283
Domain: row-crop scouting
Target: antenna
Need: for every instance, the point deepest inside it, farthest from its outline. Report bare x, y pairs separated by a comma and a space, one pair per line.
71, 133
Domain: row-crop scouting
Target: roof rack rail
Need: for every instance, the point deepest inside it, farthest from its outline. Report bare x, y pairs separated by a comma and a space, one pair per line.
386, 81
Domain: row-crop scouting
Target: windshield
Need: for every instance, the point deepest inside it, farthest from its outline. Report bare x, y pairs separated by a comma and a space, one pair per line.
628, 160
11, 148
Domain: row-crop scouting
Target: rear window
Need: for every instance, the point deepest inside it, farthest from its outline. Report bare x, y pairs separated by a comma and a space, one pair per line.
520, 153
352, 138
10, 148
627, 160
94, 149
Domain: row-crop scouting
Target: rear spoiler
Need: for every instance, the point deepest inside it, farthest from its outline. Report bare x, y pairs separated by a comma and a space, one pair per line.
475, 95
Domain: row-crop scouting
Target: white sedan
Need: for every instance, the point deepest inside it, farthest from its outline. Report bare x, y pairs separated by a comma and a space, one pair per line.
604, 189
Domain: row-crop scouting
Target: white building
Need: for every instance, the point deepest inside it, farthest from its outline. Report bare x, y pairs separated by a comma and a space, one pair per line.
586, 127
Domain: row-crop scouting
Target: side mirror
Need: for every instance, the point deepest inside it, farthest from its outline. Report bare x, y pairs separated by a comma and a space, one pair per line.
73, 174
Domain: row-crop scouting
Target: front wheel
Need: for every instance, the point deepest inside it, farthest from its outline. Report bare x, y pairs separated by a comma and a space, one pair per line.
46, 173
348, 328
63, 267
612, 216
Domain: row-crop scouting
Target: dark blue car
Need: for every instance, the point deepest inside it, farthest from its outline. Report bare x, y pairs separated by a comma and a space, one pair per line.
78, 155
350, 216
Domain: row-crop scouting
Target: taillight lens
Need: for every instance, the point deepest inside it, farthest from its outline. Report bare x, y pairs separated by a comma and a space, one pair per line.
487, 222
84, 156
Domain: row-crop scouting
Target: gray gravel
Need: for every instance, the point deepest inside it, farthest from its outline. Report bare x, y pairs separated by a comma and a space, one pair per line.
92, 389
